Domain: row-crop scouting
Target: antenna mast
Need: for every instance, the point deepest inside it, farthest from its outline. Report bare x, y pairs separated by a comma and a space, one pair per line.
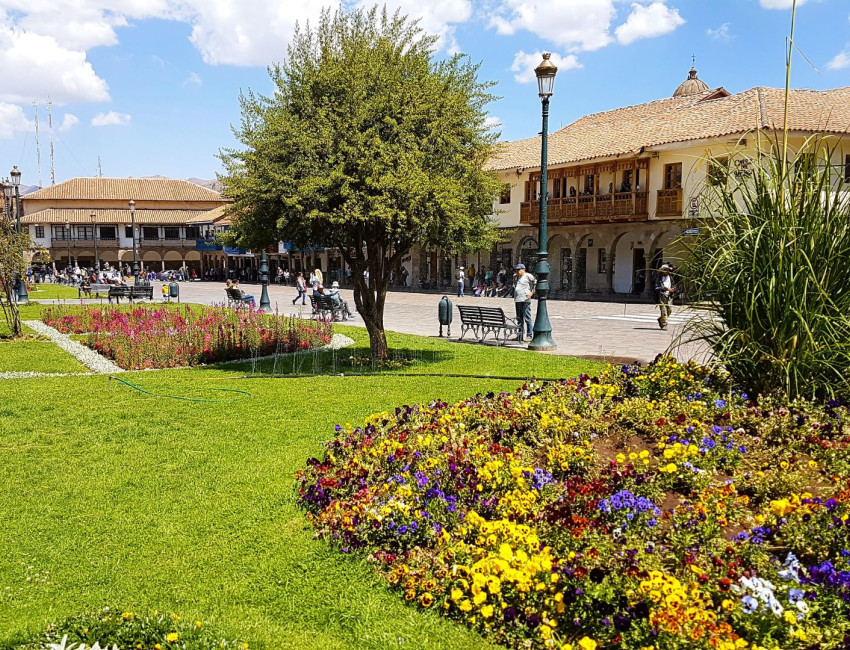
50, 128
99, 168
37, 147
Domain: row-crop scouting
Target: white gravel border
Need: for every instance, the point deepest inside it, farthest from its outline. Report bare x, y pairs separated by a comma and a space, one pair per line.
92, 360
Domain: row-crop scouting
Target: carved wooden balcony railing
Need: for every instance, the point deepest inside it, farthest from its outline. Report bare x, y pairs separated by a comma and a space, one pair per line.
602, 208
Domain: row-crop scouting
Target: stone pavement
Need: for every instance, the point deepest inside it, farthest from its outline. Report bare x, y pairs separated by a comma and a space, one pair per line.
595, 330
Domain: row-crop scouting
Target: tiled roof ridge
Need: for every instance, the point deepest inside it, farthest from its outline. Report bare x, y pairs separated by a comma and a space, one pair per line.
193, 191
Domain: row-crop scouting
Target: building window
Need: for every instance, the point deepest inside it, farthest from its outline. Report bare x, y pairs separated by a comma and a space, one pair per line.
673, 176
108, 232
601, 261
588, 184
626, 184
39, 232
504, 197
85, 232
718, 169
193, 232
150, 232
172, 233
128, 232
60, 233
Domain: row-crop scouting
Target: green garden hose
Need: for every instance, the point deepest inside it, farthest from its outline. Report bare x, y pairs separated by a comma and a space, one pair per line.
187, 399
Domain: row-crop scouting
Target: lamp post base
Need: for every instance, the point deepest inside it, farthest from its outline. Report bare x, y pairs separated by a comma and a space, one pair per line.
23, 296
542, 342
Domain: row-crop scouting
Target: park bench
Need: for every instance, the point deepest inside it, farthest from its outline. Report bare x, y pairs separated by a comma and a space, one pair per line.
95, 289
324, 307
235, 298
485, 320
131, 292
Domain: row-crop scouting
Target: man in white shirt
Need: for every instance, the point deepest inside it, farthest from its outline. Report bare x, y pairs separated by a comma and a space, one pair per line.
523, 292
461, 278
665, 289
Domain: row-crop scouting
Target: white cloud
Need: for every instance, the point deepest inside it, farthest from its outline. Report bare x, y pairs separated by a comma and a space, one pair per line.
44, 68
437, 17
69, 121
12, 120
111, 119
194, 79
493, 122
780, 4
648, 22
524, 64
572, 24
840, 61
720, 34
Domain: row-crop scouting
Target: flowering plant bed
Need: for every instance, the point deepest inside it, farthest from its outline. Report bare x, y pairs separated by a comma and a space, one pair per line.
167, 337
650, 507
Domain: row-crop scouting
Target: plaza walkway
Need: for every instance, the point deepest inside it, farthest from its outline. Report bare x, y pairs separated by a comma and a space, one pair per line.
595, 330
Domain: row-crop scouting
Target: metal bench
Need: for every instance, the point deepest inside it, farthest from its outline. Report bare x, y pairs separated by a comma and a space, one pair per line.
487, 320
324, 308
236, 300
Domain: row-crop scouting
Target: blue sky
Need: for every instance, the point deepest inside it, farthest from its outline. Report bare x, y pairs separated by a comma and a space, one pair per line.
151, 86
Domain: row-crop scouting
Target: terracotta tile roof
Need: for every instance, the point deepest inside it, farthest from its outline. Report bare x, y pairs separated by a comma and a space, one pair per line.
710, 114
216, 216
108, 217
124, 189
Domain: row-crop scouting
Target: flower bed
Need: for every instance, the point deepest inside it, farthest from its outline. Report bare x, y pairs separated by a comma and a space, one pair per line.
166, 337
649, 507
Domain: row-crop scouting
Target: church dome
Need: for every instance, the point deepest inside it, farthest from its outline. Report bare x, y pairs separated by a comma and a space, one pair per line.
691, 86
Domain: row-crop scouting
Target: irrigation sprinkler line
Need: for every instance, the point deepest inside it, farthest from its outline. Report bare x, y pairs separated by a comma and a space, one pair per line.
402, 374
187, 399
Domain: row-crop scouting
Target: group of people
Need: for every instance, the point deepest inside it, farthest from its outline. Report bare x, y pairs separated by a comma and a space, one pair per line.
490, 284
315, 283
233, 288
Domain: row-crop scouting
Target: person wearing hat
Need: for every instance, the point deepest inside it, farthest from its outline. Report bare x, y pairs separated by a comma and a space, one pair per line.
523, 292
461, 278
666, 290
337, 300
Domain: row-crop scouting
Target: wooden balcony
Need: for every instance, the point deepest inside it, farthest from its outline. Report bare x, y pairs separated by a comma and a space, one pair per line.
619, 207
669, 203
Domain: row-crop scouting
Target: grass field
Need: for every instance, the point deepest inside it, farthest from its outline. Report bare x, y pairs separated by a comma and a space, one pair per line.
48, 291
111, 496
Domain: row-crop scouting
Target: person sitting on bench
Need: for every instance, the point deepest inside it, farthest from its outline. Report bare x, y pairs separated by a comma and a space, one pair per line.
244, 295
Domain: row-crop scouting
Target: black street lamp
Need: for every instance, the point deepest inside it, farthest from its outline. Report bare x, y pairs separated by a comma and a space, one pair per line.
265, 304
8, 192
133, 228
542, 340
23, 296
94, 236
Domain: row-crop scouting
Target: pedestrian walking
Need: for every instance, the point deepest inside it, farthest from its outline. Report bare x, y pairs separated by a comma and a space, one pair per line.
523, 292
461, 277
665, 289
301, 287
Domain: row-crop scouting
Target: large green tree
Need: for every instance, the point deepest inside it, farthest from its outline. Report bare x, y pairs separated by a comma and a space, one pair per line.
368, 144
13, 247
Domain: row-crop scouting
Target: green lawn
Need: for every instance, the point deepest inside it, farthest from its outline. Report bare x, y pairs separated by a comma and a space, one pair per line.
48, 291
111, 496
36, 356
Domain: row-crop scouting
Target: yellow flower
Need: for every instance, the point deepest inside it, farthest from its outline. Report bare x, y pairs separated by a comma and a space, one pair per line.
172, 637
587, 643
789, 617
127, 616
426, 599
728, 605
479, 598
621, 458
465, 605
487, 611
813, 464
457, 594
197, 624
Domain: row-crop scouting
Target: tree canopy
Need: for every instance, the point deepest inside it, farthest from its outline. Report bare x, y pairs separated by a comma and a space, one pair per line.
368, 144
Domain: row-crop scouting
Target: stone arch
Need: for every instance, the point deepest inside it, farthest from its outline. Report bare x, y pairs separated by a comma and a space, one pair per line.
126, 256
626, 274
527, 252
580, 262
175, 258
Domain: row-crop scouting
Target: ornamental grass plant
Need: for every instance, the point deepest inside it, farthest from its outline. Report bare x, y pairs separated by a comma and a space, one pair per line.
772, 269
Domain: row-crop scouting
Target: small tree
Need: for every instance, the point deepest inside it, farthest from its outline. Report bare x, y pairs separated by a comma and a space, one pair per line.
367, 145
13, 246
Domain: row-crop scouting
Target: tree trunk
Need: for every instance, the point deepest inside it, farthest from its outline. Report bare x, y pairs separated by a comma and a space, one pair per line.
371, 309
11, 312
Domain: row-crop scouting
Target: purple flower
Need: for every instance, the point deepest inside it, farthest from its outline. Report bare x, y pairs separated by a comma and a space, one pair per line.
719, 403
749, 604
